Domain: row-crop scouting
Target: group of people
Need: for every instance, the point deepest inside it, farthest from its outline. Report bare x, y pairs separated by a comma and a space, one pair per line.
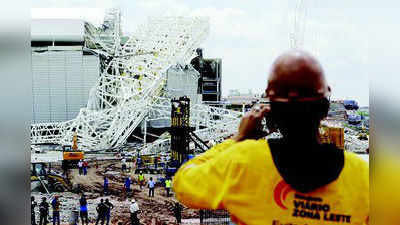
103, 211
127, 185
83, 167
44, 210
103, 208
151, 184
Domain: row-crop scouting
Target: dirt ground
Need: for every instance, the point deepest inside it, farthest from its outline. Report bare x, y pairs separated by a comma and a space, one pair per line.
156, 210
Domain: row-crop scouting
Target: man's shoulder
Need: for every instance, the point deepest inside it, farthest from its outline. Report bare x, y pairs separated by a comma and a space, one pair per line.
354, 160
250, 149
354, 164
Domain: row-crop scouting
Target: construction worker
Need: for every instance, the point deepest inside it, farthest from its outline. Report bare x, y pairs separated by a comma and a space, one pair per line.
127, 185
178, 212
105, 185
168, 183
289, 180
156, 160
44, 211
101, 212
151, 185
138, 161
56, 210
65, 168
83, 210
141, 180
85, 166
109, 206
201, 215
134, 209
80, 167
33, 206
123, 164
43, 171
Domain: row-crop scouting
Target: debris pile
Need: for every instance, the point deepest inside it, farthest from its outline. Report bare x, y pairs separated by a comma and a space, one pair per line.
353, 143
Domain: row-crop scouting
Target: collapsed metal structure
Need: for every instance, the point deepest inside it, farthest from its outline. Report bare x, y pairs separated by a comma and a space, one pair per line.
131, 86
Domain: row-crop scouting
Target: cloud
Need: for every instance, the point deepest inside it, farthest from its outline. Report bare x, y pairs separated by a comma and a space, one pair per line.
94, 15
224, 22
249, 37
75, 4
164, 7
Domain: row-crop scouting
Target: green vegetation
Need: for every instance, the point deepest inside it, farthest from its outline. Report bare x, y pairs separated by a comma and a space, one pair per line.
362, 113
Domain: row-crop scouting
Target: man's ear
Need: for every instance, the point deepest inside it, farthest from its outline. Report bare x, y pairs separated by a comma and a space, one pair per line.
330, 91
325, 104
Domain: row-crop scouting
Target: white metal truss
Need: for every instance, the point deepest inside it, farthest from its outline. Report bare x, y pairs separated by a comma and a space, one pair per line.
131, 87
108, 36
299, 19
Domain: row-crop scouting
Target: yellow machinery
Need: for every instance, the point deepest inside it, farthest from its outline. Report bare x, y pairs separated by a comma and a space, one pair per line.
43, 178
332, 134
147, 159
147, 164
363, 135
71, 155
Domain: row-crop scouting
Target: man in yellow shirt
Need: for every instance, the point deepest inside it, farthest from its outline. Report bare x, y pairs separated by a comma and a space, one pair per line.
141, 179
291, 180
168, 184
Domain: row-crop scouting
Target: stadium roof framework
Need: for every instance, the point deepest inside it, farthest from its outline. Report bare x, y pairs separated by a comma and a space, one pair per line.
132, 87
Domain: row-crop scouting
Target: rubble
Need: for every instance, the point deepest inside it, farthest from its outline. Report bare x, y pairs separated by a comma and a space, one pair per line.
353, 143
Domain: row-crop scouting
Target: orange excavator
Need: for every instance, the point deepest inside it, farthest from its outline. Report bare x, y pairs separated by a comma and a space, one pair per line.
71, 155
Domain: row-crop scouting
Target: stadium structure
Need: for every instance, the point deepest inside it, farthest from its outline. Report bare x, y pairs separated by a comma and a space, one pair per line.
135, 86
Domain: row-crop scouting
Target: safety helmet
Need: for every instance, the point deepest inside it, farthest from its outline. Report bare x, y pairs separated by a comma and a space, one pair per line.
296, 76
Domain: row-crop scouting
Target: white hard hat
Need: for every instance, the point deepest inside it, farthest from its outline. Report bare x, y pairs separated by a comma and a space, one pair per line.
133, 200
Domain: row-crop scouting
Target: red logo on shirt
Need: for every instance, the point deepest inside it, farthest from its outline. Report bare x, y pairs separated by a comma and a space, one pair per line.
281, 191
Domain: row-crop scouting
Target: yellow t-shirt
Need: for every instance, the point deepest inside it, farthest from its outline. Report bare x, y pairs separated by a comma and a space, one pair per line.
242, 178
141, 177
167, 183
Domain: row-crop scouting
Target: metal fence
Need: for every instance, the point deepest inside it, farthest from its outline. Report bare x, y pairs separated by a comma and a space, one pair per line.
214, 217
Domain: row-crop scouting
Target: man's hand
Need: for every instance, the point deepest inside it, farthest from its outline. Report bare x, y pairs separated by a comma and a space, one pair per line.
250, 125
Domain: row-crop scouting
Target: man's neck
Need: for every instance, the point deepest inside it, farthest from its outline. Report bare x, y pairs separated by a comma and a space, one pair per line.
302, 140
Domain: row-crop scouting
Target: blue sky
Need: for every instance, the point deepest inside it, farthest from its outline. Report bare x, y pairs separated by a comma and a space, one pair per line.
249, 35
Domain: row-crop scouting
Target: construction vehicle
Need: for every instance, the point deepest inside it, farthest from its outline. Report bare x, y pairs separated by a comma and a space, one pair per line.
43, 179
350, 104
354, 119
71, 157
363, 135
332, 134
147, 164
